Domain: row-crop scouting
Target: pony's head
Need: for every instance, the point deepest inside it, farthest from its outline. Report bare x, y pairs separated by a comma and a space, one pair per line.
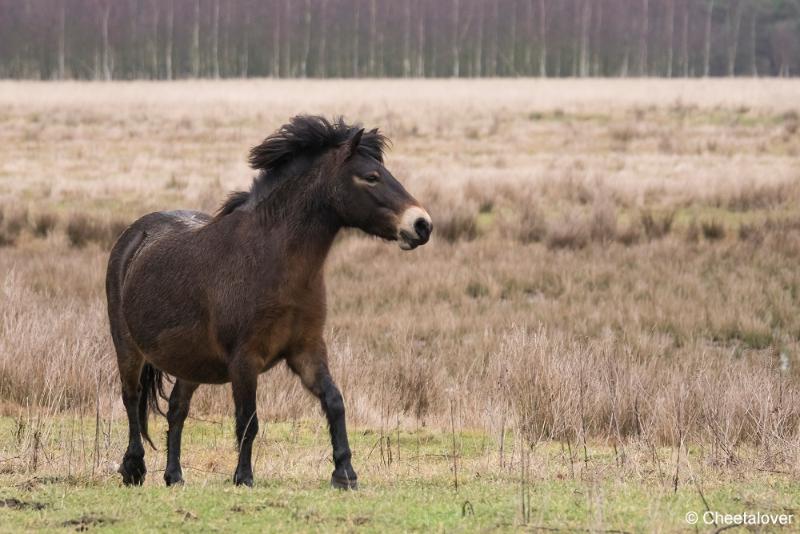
346, 167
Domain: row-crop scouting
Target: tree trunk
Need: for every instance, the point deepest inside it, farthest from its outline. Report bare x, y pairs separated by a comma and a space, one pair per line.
493, 49
287, 68
627, 34
421, 41
753, 58
670, 31
381, 56
707, 46
576, 36
586, 18
62, 16
196, 41
168, 44
323, 39
542, 39
306, 39
406, 38
454, 43
512, 46
733, 37
215, 40
373, 37
276, 40
104, 18
597, 60
226, 62
529, 38
685, 40
244, 54
477, 60
154, 43
645, 28
356, 16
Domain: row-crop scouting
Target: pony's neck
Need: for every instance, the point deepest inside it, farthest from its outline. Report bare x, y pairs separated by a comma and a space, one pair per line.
297, 215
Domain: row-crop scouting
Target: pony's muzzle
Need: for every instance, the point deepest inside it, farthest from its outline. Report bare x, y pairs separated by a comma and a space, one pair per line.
414, 229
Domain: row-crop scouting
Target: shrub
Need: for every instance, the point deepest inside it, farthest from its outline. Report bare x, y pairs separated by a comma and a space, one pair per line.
44, 224
457, 225
571, 232
693, 232
16, 222
755, 197
477, 290
11, 226
526, 224
481, 196
791, 122
603, 224
82, 230
629, 235
656, 226
751, 232
5, 239
713, 230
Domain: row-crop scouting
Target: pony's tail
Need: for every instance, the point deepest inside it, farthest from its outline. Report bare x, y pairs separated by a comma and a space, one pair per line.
152, 387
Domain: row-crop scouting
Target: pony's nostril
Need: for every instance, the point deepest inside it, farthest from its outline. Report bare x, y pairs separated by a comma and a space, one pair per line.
423, 228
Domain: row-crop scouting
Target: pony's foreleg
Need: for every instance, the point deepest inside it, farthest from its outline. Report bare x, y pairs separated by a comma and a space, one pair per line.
130, 368
312, 368
244, 381
179, 401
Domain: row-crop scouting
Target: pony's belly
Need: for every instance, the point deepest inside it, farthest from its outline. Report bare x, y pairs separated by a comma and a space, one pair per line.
190, 368
185, 356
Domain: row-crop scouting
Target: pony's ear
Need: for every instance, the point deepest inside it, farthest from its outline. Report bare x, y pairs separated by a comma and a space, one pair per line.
352, 144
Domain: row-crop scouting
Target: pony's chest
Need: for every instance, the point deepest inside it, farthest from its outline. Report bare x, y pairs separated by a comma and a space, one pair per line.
287, 330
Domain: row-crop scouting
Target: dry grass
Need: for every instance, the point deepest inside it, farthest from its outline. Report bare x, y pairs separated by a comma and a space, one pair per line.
574, 291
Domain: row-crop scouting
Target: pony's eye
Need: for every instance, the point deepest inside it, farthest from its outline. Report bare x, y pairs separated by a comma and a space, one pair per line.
371, 178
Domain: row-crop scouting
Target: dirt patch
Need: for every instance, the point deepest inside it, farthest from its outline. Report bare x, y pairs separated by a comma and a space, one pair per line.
186, 514
357, 521
16, 504
258, 507
86, 522
35, 482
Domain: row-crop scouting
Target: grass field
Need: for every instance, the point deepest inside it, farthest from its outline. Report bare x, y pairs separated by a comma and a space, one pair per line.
414, 481
607, 320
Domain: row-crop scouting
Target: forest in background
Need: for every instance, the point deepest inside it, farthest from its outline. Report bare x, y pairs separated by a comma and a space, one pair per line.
169, 39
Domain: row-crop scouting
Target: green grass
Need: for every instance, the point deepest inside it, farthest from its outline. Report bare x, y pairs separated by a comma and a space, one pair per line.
74, 487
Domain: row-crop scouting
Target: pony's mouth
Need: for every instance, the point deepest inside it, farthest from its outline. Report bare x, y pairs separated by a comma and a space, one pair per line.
415, 228
407, 241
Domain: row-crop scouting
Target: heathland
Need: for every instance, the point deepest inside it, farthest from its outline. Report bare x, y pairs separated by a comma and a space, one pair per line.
602, 333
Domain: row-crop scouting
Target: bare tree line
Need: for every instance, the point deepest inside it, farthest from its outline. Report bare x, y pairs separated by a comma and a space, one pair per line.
167, 39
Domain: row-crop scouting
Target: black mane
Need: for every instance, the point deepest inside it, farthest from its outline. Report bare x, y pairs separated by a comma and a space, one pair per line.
310, 134
304, 135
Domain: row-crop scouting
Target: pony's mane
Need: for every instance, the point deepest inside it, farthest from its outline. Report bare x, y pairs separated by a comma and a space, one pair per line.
311, 134
303, 135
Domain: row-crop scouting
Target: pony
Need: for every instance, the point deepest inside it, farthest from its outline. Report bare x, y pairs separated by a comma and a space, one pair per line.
216, 299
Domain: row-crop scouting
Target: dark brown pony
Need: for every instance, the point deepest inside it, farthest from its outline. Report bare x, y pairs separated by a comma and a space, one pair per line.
211, 300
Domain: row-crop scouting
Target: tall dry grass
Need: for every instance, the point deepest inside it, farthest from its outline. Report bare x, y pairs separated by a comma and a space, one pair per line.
615, 269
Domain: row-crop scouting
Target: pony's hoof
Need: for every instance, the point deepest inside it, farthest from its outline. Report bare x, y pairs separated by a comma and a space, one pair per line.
133, 471
174, 478
243, 480
343, 482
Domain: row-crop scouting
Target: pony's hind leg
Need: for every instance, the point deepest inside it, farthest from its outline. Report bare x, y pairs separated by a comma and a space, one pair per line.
130, 368
312, 368
179, 401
